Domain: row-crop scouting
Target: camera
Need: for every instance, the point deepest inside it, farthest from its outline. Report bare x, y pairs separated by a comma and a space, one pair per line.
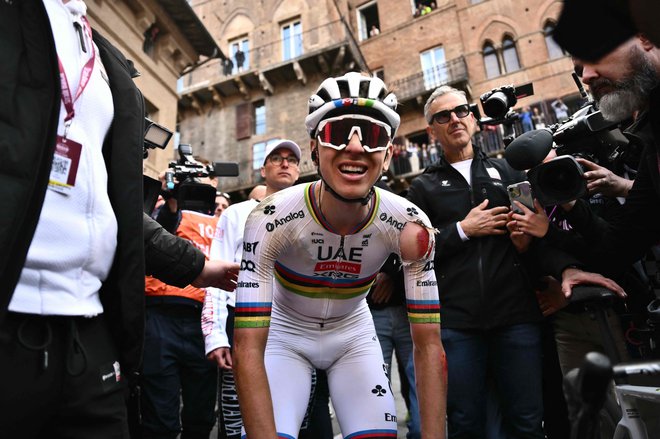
497, 103
586, 134
182, 180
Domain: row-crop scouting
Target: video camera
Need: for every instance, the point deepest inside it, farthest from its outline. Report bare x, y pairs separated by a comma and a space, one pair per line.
586, 134
497, 105
182, 180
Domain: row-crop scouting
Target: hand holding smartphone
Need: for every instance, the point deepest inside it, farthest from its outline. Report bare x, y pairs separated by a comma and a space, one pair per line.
521, 192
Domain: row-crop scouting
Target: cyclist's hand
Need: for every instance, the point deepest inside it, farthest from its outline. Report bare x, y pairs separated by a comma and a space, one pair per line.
574, 276
221, 357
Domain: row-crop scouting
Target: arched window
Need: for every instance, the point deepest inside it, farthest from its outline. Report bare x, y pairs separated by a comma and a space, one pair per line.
510, 55
491, 61
554, 50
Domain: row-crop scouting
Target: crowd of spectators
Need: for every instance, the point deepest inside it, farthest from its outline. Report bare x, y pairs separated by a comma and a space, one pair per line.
424, 7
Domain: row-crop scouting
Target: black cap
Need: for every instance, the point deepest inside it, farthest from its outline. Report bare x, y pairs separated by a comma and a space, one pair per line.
590, 29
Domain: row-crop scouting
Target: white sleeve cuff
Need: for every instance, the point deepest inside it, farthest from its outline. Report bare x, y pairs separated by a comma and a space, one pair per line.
461, 233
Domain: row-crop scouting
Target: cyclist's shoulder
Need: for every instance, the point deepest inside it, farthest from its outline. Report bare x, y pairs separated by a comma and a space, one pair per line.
395, 205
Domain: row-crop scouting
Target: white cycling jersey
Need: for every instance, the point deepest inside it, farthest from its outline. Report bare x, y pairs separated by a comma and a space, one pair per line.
322, 275
320, 318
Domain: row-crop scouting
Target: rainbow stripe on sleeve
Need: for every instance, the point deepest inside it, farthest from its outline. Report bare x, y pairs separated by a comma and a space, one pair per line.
252, 314
423, 311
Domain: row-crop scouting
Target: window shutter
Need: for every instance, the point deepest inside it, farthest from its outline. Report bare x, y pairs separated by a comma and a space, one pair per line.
244, 121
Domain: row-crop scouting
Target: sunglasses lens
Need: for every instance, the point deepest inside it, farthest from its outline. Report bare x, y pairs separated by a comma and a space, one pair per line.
337, 132
442, 116
462, 111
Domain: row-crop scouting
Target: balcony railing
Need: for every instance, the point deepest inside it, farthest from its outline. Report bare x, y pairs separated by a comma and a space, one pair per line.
451, 72
262, 54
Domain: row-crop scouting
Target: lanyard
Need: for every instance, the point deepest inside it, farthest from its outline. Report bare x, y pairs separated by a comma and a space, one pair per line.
67, 97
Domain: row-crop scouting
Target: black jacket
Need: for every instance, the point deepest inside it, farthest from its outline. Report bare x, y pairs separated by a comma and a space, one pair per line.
481, 281
29, 112
626, 238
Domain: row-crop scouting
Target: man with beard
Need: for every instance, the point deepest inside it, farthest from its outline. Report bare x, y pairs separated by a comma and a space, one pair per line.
624, 83
620, 83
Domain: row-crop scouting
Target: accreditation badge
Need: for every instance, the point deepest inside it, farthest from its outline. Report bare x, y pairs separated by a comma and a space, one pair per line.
64, 169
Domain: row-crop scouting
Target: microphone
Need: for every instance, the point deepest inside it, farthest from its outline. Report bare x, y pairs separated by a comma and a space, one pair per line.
529, 149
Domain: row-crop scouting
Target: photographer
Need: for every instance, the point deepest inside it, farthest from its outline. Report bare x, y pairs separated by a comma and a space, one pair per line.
624, 83
575, 332
620, 83
174, 360
611, 58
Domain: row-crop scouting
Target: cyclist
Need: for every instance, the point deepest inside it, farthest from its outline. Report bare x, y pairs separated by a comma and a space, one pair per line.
310, 255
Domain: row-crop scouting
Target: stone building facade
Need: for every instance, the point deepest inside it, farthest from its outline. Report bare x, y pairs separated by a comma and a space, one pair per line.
177, 41
229, 113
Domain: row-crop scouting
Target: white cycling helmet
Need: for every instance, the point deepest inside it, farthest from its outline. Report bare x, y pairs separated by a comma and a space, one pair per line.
352, 93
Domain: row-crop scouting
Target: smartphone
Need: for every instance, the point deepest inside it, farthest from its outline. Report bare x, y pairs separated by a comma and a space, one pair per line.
521, 192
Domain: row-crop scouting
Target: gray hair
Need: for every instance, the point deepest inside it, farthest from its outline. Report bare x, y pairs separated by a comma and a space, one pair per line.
440, 91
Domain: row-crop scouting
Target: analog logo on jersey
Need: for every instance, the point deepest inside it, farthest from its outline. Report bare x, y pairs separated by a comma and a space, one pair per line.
270, 226
390, 220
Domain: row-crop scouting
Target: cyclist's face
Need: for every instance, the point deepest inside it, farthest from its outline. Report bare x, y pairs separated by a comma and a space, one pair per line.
352, 171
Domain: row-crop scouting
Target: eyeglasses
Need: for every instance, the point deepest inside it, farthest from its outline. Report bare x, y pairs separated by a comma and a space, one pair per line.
336, 132
444, 116
277, 159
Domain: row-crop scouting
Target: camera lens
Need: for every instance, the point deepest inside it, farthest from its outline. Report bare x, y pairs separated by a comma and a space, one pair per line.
497, 105
558, 181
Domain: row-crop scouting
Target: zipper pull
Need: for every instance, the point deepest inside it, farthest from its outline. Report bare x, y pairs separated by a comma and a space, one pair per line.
79, 30
44, 359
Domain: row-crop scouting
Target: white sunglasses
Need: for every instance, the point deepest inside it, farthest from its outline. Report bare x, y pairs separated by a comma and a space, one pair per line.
336, 132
